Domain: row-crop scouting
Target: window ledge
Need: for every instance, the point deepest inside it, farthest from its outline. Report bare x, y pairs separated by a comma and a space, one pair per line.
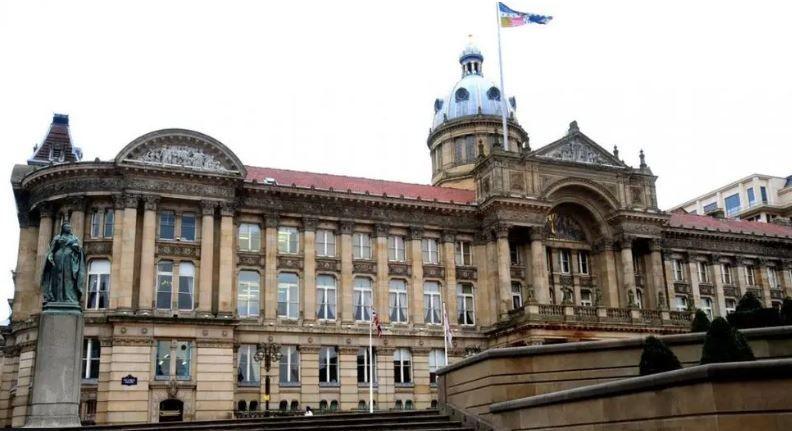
89, 383
404, 385
366, 385
289, 384
329, 385
248, 384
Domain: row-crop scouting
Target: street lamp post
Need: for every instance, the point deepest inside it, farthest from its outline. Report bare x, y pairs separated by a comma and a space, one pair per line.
267, 352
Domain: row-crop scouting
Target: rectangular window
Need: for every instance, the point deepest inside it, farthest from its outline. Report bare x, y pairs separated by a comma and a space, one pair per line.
763, 193
564, 258
96, 223
703, 272
396, 249
681, 302
109, 223
710, 207
98, 284
432, 305
288, 295
289, 365
585, 298
183, 358
162, 367
186, 286
731, 305
430, 251
436, 361
325, 297
732, 204
464, 256
726, 273
517, 297
288, 240
751, 197
466, 311
772, 278
325, 243
366, 366
750, 276
90, 358
248, 370
397, 301
187, 227
362, 299
402, 364
167, 224
514, 254
164, 284
249, 237
706, 306
583, 262
248, 294
328, 365
361, 246
679, 270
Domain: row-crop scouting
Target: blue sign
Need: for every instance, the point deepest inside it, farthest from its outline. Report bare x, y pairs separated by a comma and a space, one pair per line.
129, 380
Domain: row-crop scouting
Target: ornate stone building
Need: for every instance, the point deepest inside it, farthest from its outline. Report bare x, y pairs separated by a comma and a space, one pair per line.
195, 259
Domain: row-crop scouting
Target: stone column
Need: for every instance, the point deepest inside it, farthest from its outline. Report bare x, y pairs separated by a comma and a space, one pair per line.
541, 290
381, 250
655, 276
486, 314
609, 283
719, 306
491, 251
269, 295
670, 289
416, 260
147, 250
123, 303
742, 280
449, 263
764, 282
347, 363
694, 281
226, 299
117, 250
33, 300
26, 279
309, 269
207, 259
504, 271
346, 276
76, 207
628, 271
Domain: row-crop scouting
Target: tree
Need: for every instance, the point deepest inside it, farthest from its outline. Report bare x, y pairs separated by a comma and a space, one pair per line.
786, 311
751, 314
724, 344
701, 322
749, 302
657, 357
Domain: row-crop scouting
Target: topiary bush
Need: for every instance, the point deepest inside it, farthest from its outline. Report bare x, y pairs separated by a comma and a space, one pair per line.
749, 302
701, 322
724, 344
751, 314
786, 311
657, 357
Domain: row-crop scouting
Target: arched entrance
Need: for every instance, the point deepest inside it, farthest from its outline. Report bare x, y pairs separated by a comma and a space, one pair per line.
171, 410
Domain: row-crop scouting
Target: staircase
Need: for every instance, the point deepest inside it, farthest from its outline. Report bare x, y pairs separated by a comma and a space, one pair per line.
430, 420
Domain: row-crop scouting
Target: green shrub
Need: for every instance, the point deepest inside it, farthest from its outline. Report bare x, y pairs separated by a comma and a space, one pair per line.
701, 322
749, 302
724, 344
786, 311
657, 357
751, 314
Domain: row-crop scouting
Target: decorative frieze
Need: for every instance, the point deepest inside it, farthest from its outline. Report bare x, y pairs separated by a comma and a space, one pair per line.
332, 265
681, 287
178, 250
290, 262
433, 271
101, 247
730, 291
706, 289
364, 267
249, 259
399, 269
517, 273
466, 273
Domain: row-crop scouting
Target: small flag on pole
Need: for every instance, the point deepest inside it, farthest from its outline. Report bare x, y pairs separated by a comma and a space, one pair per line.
376, 322
446, 326
512, 18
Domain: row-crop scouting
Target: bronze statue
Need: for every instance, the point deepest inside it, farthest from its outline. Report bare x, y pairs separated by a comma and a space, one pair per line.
63, 279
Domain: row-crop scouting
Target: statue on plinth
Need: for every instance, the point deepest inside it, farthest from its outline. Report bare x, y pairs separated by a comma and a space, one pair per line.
63, 279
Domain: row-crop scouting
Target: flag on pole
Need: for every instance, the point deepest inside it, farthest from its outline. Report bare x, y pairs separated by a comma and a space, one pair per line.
376, 322
511, 18
446, 326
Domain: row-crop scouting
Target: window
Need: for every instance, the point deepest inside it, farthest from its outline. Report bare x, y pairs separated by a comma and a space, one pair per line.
436, 361
288, 295
183, 357
325, 243
90, 358
287, 240
396, 249
180, 352
585, 298
703, 272
96, 223
466, 312
432, 303
366, 364
731, 305
328, 365
187, 227
248, 370
401, 366
750, 277
362, 298
186, 285
732, 204
681, 302
98, 284
638, 265
248, 294
430, 251
397, 301
326, 297
163, 359
763, 193
361, 246
751, 197
706, 306
249, 237
772, 278
564, 257
164, 284
710, 207
726, 273
167, 224
639, 299
463, 253
517, 297
514, 254
679, 270
109, 222
583, 262
289, 366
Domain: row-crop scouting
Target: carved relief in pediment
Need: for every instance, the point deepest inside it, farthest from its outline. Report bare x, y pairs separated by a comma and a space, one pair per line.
182, 156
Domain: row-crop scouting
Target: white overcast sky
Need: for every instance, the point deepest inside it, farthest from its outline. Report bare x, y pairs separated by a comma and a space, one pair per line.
347, 87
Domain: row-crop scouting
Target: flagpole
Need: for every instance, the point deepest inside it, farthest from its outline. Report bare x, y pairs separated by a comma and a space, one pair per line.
504, 103
371, 368
445, 334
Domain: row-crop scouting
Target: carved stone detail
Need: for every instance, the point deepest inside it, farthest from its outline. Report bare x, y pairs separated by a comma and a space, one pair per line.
94, 248
346, 227
364, 267
182, 156
290, 262
272, 220
309, 224
179, 250
381, 229
150, 202
208, 207
448, 236
416, 232
466, 273
399, 269
434, 271
332, 265
131, 201
249, 259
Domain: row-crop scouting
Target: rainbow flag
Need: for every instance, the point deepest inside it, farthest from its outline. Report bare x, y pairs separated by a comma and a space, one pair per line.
512, 18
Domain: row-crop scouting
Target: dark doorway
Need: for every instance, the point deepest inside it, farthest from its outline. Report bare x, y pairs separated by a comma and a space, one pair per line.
171, 410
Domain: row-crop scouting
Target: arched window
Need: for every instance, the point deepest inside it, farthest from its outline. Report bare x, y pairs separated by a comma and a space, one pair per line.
334, 406
254, 405
399, 405
98, 284
322, 405
432, 314
494, 94
288, 295
362, 298
248, 294
241, 405
326, 297
283, 405
295, 405
466, 310
186, 285
408, 405
517, 296
436, 360
397, 301
461, 95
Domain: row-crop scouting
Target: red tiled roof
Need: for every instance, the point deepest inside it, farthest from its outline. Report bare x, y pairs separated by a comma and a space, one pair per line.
695, 221
287, 177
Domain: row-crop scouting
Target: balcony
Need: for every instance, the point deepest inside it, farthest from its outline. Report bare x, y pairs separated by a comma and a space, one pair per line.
553, 313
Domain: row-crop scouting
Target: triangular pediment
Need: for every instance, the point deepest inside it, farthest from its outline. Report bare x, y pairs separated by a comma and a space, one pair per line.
576, 147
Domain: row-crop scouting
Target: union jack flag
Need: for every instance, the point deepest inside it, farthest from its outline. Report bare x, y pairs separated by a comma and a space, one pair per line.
376, 322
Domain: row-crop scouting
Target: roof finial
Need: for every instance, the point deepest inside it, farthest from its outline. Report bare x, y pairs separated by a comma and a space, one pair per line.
573, 127
643, 159
616, 152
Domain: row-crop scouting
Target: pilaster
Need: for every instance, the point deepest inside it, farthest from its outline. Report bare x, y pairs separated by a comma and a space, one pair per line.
226, 298
628, 272
123, 302
147, 282
382, 275
449, 262
271, 267
309, 269
32, 301
346, 274
117, 251
541, 290
416, 259
504, 272
207, 259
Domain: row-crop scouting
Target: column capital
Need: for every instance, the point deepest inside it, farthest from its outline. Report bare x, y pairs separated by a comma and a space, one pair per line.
271, 220
481, 238
118, 201
303, 348
626, 241
381, 229
537, 233
348, 350
45, 209
309, 224
75, 203
603, 244
448, 236
208, 207
150, 202
416, 232
131, 201
227, 209
346, 227
655, 244
501, 230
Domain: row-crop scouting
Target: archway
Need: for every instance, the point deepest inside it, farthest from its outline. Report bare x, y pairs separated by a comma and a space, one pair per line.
171, 410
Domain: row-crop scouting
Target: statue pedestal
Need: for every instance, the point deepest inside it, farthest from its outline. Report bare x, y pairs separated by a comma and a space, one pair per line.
55, 400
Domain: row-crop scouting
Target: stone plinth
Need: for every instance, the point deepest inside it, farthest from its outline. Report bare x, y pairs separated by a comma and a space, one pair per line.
55, 402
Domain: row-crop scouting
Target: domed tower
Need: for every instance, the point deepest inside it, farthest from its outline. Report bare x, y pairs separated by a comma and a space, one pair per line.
467, 122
